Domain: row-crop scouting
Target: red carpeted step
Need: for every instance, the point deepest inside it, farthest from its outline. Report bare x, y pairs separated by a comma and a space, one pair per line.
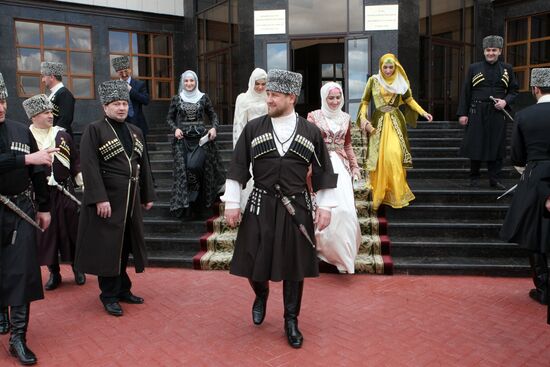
385, 244
388, 264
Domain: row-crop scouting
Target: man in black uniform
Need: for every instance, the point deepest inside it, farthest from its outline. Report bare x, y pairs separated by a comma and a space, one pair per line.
61, 98
273, 244
483, 116
528, 219
118, 184
20, 280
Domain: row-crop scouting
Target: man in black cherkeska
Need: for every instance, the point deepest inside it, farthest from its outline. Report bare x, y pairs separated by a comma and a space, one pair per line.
527, 222
118, 184
271, 243
490, 87
20, 279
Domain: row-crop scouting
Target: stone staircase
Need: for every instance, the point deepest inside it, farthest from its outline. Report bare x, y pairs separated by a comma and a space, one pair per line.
209, 244
171, 241
451, 228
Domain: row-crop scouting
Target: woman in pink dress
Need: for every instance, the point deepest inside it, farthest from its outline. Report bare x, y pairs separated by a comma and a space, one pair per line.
339, 242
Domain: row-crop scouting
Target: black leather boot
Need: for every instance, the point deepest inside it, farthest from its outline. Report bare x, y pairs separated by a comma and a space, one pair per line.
539, 268
55, 278
4, 320
79, 278
261, 289
292, 296
18, 338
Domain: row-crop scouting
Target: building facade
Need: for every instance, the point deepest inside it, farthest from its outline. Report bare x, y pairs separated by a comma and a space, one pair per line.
223, 40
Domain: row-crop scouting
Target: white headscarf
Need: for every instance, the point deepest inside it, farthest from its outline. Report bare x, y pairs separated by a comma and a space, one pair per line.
337, 115
251, 96
190, 96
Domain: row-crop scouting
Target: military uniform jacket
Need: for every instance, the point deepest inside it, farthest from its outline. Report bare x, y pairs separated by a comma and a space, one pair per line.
485, 135
107, 171
527, 221
20, 279
269, 245
63, 109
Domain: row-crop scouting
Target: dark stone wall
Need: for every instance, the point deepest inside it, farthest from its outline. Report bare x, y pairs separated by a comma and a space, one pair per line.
100, 20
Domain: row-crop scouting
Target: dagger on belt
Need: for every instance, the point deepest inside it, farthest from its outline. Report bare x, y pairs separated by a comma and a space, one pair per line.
290, 209
10, 204
503, 110
136, 180
68, 194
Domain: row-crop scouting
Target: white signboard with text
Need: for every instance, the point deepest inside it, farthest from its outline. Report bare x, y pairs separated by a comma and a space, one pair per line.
269, 22
381, 17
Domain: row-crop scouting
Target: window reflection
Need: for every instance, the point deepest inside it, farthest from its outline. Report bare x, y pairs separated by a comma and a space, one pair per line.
540, 26
517, 30
80, 38
54, 36
28, 85
81, 63
327, 70
28, 59
54, 43
358, 67
27, 33
540, 52
277, 56
56, 56
119, 42
163, 68
161, 45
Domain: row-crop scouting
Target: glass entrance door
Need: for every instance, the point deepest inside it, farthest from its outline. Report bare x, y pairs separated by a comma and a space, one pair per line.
358, 62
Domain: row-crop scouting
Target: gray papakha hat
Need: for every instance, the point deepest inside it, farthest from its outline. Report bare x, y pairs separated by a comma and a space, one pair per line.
121, 63
52, 68
3, 89
113, 90
493, 41
284, 81
540, 77
37, 104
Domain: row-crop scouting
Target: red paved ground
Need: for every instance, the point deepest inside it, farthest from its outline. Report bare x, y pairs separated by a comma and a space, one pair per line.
199, 318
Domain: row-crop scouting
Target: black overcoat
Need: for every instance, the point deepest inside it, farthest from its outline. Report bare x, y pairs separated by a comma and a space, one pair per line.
485, 134
20, 278
527, 221
107, 171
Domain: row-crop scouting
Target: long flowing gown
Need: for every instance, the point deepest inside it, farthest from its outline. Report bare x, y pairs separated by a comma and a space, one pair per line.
246, 111
388, 150
338, 244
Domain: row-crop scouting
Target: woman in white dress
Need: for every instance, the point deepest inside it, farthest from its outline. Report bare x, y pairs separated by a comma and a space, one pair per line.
248, 106
339, 242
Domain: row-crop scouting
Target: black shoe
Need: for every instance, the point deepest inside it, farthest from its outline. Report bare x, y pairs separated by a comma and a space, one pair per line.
113, 309
258, 310
130, 298
79, 278
53, 282
4, 321
293, 334
19, 350
497, 185
538, 296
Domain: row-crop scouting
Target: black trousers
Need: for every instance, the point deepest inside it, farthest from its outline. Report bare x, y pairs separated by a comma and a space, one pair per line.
493, 167
112, 288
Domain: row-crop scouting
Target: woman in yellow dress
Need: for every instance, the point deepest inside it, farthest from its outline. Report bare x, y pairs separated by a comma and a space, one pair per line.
388, 150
